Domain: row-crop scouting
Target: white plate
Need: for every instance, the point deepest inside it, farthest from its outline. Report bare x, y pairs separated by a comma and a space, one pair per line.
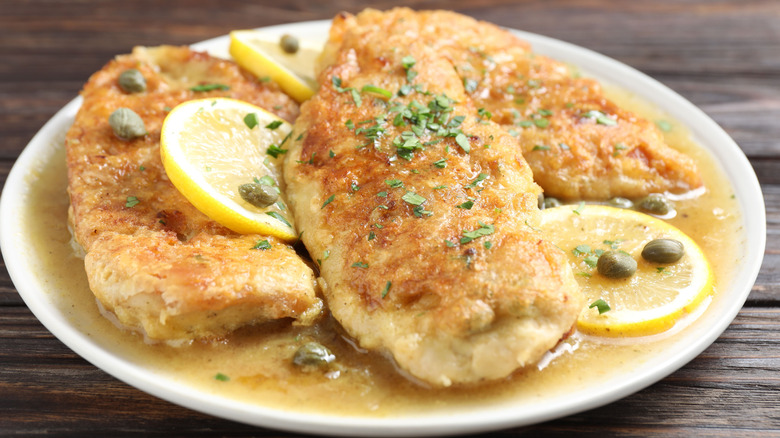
21, 264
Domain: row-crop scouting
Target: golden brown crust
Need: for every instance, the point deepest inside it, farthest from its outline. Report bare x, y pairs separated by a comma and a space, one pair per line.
544, 104
140, 257
456, 312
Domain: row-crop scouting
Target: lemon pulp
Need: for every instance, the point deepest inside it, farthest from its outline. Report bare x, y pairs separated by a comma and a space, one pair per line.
650, 301
261, 54
208, 150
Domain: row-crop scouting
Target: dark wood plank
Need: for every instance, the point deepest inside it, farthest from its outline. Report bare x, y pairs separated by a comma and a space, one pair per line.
709, 393
724, 56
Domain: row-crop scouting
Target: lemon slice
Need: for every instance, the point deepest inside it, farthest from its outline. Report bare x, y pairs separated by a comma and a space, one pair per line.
210, 147
653, 299
261, 54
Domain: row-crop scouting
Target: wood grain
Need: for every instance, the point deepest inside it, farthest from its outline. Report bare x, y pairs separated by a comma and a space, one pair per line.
724, 56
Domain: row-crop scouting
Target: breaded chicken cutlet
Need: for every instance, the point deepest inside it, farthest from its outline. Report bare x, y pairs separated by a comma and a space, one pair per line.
152, 259
417, 214
579, 144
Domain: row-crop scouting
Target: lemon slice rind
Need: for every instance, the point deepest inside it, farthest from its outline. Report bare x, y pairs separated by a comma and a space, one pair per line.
260, 54
188, 175
674, 290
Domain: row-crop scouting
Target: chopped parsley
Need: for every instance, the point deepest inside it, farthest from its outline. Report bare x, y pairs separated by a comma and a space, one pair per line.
413, 198
279, 217
483, 230
325, 256
541, 147
618, 147
463, 142
408, 62
132, 201
470, 85
601, 305
221, 377
273, 125
376, 90
386, 290
663, 125
250, 120
209, 87
466, 205
481, 177
394, 183
441, 164
262, 244
275, 151
601, 118
328, 201
360, 265
541, 123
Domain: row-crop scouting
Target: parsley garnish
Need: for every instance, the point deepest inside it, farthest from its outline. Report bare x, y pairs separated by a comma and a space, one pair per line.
328, 201
279, 217
376, 90
273, 125
386, 290
663, 125
262, 244
394, 183
463, 142
618, 147
371, 235
408, 62
221, 377
209, 87
275, 151
251, 120
541, 123
483, 230
360, 265
541, 147
325, 256
470, 85
481, 177
601, 305
441, 164
466, 205
579, 208
601, 118
132, 201
413, 198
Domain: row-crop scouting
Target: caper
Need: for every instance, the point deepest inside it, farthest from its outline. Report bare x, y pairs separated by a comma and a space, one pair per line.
551, 203
313, 354
616, 264
259, 195
289, 43
127, 124
656, 203
132, 81
663, 251
621, 202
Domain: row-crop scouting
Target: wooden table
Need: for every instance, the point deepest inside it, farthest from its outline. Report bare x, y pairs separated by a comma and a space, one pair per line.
724, 56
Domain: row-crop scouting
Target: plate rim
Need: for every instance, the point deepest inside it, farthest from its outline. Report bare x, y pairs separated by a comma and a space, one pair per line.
479, 421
